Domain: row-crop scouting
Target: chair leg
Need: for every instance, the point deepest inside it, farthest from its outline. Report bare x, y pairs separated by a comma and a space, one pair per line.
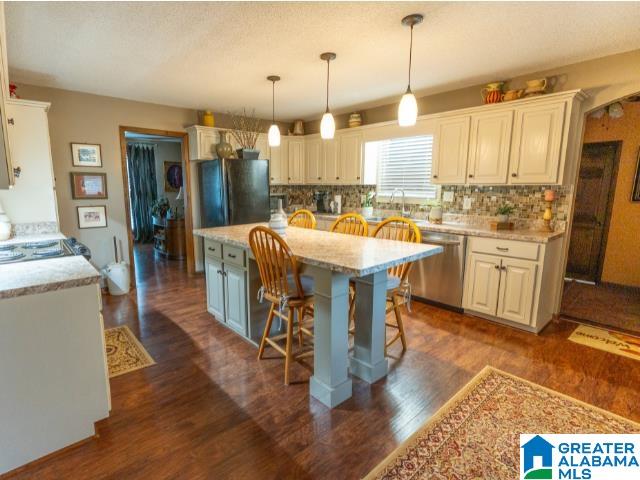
287, 360
398, 313
352, 310
300, 323
267, 329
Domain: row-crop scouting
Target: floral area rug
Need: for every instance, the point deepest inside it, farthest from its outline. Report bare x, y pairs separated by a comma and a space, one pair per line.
124, 352
476, 434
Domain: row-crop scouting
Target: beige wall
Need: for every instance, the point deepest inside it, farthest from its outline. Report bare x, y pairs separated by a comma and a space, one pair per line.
604, 79
622, 260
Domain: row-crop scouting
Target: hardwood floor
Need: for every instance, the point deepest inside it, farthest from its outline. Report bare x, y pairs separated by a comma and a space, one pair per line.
209, 409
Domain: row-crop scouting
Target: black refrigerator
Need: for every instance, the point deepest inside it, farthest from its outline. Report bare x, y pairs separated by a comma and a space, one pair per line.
234, 192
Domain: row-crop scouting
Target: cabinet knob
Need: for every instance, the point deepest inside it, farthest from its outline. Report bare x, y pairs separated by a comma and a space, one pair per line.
211, 249
219, 272
435, 176
357, 178
271, 178
337, 178
319, 178
470, 175
10, 121
502, 249
289, 178
514, 174
497, 267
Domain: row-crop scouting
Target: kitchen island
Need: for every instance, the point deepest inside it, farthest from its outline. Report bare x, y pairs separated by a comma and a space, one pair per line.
331, 259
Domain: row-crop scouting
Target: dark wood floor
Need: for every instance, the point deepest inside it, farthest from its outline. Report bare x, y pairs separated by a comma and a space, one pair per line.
209, 409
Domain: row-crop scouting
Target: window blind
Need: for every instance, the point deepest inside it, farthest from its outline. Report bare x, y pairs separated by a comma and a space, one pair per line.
405, 164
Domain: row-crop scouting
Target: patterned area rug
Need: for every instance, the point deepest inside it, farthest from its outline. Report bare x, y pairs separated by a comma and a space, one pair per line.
124, 352
612, 342
476, 434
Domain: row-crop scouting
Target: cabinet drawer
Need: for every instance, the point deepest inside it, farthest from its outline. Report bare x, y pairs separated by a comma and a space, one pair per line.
233, 255
505, 248
212, 248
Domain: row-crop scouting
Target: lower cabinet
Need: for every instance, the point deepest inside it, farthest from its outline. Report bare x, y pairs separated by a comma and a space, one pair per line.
227, 293
483, 283
215, 288
517, 287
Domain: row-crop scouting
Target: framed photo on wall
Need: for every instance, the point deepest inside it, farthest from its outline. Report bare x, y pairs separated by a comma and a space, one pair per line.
86, 155
87, 185
172, 176
92, 216
635, 192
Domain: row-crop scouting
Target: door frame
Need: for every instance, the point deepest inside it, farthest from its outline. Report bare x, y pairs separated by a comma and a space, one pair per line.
609, 207
188, 222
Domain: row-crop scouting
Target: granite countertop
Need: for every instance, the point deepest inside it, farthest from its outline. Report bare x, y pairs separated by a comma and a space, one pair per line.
39, 276
355, 256
525, 235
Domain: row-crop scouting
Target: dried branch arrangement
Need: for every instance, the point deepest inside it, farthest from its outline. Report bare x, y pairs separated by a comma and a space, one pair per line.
245, 128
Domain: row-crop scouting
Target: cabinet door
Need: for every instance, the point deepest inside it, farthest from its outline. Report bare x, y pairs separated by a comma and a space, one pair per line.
215, 288
331, 161
262, 144
236, 298
482, 283
489, 144
278, 162
350, 158
451, 150
314, 170
296, 161
517, 288
537, 142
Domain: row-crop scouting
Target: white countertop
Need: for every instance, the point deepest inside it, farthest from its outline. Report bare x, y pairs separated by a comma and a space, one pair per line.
38, 276
355, 256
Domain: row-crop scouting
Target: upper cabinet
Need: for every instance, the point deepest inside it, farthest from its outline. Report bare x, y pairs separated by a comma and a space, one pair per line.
279, 162
202, 142
313, 161
349, 163
521, 142
6, 167
296, 160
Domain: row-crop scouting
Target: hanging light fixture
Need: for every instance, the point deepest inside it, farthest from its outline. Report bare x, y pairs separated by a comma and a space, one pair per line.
408, 108
274, 131
327, 124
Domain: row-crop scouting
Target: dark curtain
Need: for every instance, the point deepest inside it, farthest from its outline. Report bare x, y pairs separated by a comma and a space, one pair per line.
142, 189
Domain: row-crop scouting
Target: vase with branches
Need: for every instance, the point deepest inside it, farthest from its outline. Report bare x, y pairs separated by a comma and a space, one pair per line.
245, 131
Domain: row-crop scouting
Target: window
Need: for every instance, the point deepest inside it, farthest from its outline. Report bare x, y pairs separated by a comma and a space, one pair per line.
401, 163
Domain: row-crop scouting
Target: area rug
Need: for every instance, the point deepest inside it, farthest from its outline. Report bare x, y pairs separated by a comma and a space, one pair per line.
612, 342
124, 352
476, 434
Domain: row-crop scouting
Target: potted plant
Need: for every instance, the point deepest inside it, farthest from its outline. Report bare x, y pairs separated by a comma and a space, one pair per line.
504, 211
245, 131
367, 204
435, 213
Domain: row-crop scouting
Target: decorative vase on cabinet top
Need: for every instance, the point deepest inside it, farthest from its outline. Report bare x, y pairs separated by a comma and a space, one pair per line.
224, 149
207, 119
355, 120
492, 93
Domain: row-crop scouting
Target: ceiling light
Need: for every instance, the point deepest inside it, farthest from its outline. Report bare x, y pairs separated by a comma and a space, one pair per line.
274, 131
327, 124
408, 108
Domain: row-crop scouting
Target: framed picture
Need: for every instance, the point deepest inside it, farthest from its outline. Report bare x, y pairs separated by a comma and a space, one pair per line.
92, 217
86, 185
86, 155
635, 192
172, 176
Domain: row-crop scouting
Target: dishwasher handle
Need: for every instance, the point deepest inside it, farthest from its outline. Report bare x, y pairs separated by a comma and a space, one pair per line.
444, 243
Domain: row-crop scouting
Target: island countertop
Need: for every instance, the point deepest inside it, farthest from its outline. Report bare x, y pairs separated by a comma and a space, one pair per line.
349, 254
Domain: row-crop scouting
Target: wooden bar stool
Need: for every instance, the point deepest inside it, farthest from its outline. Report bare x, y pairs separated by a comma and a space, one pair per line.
290, 294
398, 287
303, 219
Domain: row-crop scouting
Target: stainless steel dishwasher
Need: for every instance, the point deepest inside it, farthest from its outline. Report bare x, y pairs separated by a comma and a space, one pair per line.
439, 279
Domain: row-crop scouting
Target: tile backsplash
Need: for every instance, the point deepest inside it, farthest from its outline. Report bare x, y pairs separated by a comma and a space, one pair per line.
303, 194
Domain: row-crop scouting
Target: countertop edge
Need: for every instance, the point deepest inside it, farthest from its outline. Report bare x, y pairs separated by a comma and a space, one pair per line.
49, 287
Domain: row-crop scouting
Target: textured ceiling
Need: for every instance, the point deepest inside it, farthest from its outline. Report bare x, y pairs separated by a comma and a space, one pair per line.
216, 55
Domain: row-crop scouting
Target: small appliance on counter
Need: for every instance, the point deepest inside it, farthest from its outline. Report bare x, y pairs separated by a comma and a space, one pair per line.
336, 205
322, 200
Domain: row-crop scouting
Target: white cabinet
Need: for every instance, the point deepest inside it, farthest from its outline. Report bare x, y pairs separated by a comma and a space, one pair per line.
331, 162
279, 162
296, 160
451, 150
517, 286
313, 163
202, 142
489, 143
537, 142
483, 280
235, 298
262, 144
215, 287
6, 165
349, 163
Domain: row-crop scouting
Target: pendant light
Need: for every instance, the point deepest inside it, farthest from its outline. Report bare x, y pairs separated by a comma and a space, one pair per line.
327, 124
274, 131
408, 108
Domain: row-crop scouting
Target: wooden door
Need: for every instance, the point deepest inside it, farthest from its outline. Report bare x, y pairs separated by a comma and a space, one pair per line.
451, 150
235, 298
296, 161
517, 289
482, 283
215, 288
351, 158
594, 198
313, 161
537, 142
489, 145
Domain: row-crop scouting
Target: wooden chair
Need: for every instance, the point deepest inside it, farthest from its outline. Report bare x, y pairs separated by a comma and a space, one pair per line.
350, 224
398, 287
303, 219
288, 291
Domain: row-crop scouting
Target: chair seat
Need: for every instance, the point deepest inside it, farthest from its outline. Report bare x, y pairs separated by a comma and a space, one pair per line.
305, 281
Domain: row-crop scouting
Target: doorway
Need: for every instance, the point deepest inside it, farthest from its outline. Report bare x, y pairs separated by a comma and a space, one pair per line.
602, 278
155, 165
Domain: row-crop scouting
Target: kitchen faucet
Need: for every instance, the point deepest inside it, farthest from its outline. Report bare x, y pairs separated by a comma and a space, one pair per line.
405, 213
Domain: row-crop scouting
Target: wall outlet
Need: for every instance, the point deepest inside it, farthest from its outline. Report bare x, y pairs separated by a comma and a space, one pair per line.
493, 198
447, 196
466, 203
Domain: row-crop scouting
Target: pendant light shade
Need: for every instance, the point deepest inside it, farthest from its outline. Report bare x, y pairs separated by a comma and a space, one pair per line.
408, 108
327, 124
274, 131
